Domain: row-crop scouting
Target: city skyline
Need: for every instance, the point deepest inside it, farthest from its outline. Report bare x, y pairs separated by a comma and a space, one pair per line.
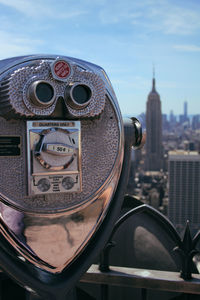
177, 115
126, 38
165, 173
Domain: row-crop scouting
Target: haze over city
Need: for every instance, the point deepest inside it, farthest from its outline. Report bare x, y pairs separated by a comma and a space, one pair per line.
126, 38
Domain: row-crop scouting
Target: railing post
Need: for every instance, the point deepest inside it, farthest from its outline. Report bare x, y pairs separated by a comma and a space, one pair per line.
104, 267
104, 257
31, 296
104, 292
187, 251
144, 294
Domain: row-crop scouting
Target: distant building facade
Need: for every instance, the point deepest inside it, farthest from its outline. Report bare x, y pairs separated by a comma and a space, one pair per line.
154, 149
184, 189
196, 122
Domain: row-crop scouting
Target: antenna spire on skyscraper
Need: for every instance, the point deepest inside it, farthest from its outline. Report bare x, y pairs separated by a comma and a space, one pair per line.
154, 80
153, 70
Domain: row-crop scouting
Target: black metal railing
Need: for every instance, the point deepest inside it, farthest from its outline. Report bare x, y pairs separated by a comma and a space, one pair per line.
141, 278
184, 281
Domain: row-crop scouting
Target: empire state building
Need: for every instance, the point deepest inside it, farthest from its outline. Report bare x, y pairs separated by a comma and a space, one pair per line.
154, 149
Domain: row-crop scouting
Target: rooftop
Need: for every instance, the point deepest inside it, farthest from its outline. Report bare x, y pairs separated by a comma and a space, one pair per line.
183, 155
183, 152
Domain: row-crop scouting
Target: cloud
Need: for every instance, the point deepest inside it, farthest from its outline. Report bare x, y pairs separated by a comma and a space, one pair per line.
181, 21
23, 6
169, 18
149, 15
161, 15
44, 9
187, 48
120, 13
12, 45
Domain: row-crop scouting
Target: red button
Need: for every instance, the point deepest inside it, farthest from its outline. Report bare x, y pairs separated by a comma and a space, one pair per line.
62, 69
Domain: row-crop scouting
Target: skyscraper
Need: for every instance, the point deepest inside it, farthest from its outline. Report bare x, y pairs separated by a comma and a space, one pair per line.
185, 110
154, 149
184, 188
184, 118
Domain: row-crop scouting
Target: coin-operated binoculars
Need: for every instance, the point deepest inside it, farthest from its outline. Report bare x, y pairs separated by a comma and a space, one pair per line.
64, 162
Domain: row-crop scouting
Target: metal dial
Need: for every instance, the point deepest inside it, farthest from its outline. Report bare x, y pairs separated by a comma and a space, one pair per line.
55, 150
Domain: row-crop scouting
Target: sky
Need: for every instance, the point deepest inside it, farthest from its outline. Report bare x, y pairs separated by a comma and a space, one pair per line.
125, 37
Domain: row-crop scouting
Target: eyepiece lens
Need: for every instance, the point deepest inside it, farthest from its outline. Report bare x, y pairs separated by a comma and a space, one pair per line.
44, 92
81, 94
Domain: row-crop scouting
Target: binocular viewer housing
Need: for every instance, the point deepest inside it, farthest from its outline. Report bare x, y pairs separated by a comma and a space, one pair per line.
34, 90
61, 156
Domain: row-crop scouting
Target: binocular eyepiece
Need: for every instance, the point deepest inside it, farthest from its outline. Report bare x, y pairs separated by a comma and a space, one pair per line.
41, 93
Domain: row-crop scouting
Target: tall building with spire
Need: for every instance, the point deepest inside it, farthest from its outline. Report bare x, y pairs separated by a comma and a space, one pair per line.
154, 149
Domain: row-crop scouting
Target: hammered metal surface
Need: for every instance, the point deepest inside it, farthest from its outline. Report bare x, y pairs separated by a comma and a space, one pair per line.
14, 90
13, 169
100, 140
53, 241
